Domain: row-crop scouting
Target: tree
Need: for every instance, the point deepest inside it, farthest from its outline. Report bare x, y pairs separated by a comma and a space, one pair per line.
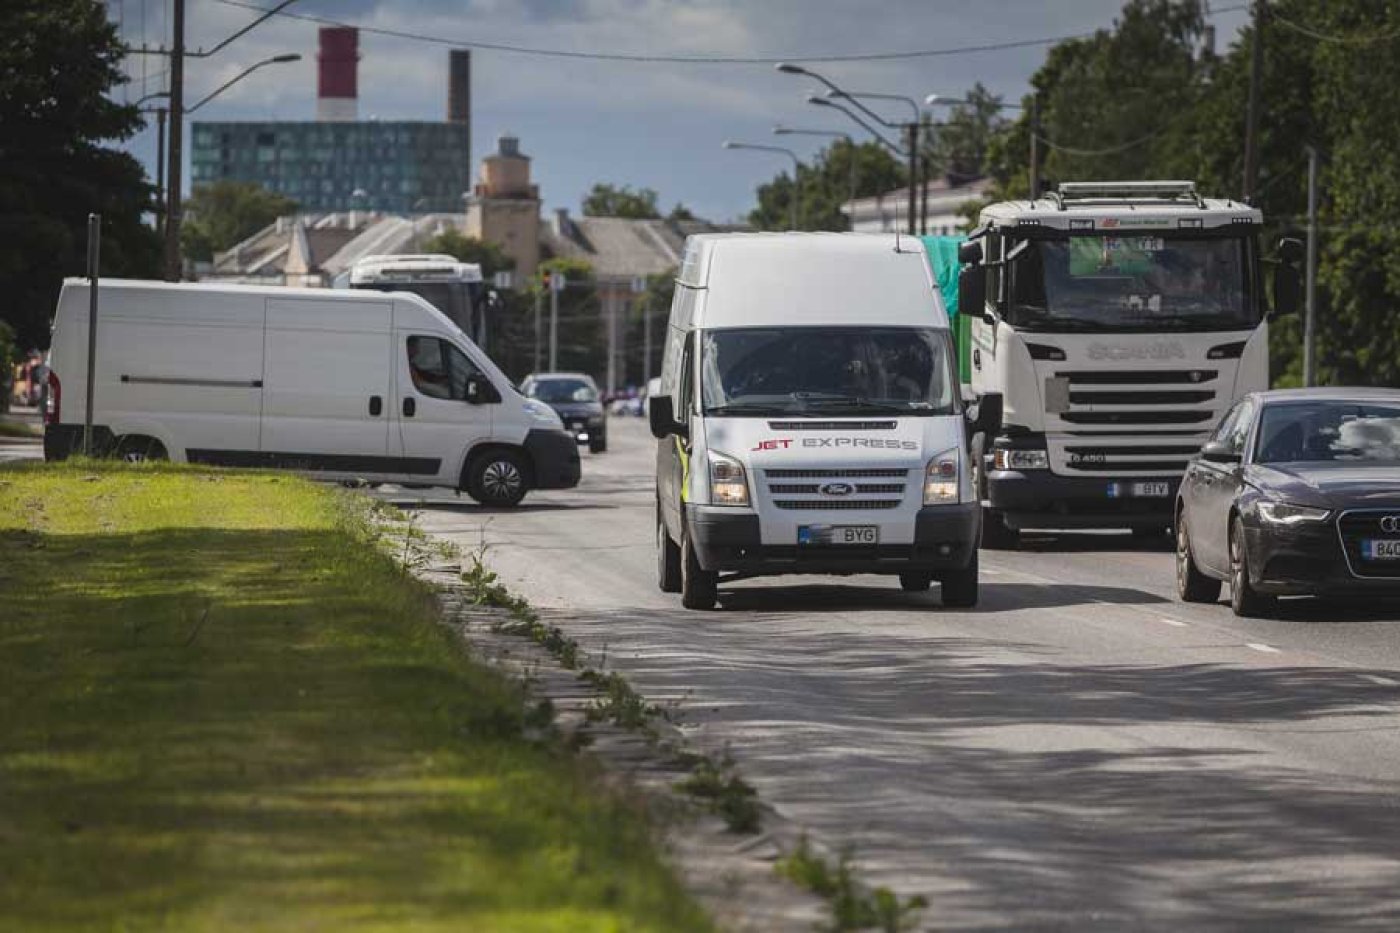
839, 172
226, 213
58, 61
489, 256
958, 147
607, 200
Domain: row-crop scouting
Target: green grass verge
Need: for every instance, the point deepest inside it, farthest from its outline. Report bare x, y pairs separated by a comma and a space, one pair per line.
223, 706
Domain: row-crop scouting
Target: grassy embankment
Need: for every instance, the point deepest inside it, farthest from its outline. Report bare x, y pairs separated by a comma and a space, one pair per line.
223, 707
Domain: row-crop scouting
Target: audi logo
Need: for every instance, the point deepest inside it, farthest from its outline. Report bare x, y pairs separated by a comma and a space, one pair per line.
1390, 524
836, 489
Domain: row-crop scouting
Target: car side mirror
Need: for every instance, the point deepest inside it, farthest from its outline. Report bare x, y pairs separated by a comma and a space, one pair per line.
1219, 452
661, 417
984, 416
972, 290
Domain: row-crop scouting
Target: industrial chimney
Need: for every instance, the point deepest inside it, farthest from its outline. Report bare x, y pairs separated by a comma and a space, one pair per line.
336, 89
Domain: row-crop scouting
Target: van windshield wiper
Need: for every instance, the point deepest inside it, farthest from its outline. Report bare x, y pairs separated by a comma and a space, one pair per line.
749, 408
855, 401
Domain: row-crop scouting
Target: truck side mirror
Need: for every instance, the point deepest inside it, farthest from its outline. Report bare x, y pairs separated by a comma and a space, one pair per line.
1288, 290
970, 252
661, 416
1290, 250
972, 290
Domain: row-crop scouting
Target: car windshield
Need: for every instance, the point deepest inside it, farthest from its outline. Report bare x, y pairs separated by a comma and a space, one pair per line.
826, 371
1131, 284
1329, 431
563, 390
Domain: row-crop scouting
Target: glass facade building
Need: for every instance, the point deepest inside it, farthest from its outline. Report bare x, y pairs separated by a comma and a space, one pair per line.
400, 167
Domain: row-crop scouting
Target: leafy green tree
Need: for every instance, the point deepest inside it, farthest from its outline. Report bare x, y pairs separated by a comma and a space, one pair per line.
613, 201
58, 61
839, 172
959, 146
489, 256
225, 213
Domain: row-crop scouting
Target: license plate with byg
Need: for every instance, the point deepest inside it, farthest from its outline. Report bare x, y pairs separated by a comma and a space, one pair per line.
1380, 549
838, 534
1148, 490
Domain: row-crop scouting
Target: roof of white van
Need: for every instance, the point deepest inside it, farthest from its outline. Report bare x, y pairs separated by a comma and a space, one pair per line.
267, 291
766, 279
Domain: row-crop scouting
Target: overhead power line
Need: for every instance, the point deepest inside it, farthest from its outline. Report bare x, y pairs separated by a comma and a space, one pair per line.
677, 59
1069, 150
1354, 39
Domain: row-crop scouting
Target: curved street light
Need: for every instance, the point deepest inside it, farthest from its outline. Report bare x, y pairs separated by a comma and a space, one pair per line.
796, 171
274, 60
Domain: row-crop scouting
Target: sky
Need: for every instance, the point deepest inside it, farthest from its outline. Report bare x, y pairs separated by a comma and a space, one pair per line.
654, 125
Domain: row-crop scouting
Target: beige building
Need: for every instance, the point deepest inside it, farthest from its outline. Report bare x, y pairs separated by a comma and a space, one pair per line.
505, 207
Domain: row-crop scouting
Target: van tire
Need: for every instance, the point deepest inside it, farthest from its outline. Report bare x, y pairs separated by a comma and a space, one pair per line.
699, 587
960, 587
498, 476
138, 448
668, 558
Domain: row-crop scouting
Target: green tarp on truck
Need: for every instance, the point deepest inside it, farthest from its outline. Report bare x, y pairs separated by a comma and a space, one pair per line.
943, 256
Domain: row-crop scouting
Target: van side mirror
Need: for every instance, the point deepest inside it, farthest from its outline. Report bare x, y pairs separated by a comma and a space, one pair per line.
661, 416
481, 392
1219, 452
972, 290
984, 415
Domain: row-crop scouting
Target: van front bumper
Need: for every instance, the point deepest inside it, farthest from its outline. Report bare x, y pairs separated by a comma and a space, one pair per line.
554, 455
729, 541
1041, 499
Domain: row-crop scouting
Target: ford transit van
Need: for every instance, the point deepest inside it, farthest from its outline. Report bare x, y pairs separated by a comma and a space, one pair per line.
809, 418
345, 385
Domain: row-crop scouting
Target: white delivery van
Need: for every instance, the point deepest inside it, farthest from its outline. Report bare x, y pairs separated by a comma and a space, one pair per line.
809, 418
343, 384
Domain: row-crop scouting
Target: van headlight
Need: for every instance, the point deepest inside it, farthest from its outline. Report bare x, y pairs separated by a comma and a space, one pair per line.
941, 478
1286, 513
1005, 459
542, 413
728, 485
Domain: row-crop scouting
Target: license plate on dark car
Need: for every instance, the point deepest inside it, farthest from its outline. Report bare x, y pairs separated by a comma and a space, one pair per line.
1382, 549
838, 534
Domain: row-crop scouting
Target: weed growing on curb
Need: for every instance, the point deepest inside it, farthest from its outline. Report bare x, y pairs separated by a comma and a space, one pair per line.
619, 702
851, 908
727, 794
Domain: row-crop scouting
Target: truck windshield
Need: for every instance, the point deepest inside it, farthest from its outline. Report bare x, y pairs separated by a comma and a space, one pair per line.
1132, 283
763, 371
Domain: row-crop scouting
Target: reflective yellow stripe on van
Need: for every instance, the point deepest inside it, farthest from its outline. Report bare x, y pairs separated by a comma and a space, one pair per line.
685, 468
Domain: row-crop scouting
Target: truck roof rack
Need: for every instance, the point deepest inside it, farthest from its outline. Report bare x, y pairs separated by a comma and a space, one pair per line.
1126, 192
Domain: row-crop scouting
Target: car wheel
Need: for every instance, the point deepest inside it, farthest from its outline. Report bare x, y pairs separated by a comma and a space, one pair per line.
668, 559
1192, 586
1244, 599
960, 588
133, 448
699, 587
597, 445
915, 582
498, 477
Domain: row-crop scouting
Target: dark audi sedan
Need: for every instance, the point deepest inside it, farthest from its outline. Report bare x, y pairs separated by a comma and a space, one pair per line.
574, 396
1296, 493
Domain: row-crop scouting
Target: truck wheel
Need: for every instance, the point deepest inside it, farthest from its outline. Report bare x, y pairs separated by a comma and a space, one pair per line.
1192, 586
668, 558
1245, 600
498, 477
960, 587
915, 582
699, 587
134, 448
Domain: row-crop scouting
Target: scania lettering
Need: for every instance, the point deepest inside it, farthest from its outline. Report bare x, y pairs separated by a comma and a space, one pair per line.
1118, 321
809, 420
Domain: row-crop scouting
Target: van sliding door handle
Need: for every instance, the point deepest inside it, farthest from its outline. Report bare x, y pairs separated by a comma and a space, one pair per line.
376, 405
410, 407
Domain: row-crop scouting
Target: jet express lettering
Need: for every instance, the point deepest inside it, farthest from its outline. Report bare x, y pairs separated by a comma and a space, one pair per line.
869, 443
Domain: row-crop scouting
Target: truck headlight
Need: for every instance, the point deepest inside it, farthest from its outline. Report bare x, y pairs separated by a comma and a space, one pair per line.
1004, 459
1285, 513
941, 478
728, 485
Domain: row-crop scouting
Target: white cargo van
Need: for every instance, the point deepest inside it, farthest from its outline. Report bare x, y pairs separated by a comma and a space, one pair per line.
344, 384
809, 418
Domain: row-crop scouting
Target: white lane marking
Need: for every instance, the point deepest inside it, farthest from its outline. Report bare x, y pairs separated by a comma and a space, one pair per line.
1267, 649
1176, 622
1383, 681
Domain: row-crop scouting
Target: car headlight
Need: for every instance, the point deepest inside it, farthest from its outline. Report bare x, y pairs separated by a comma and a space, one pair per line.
941, 478
728, 485
1286, 513
1005, 459
541, 412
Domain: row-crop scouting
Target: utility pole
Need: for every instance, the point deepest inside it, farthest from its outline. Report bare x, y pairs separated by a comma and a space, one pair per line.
610, 309
160, 169
913, 143
173, 265
1035, 146
646, 338
1310, 287
1251, 120
554, 321
539, 334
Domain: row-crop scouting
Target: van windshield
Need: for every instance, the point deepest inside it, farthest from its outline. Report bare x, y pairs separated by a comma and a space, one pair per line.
762, 371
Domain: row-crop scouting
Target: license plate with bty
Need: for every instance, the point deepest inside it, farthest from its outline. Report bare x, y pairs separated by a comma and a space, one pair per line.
1139, 490
838, 534
1382, 549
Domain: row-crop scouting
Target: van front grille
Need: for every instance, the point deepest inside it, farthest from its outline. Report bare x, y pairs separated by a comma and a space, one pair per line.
836, 504
869, 473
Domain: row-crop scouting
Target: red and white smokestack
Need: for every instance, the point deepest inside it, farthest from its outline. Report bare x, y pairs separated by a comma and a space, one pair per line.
337, 82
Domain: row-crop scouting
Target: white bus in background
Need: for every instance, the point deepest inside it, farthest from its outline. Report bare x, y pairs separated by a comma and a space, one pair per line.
453, 287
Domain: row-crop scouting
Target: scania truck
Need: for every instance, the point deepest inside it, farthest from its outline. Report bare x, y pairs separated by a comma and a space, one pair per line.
1118, 321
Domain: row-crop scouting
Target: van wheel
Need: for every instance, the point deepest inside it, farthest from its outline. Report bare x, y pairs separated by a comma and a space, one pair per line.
597, 445
668, 558
960, 587
915, 582
498, 477
134, 448
699, 587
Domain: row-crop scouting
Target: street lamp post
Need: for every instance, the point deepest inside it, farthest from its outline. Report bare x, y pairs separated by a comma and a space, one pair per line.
274, 60
781, 130
796, 172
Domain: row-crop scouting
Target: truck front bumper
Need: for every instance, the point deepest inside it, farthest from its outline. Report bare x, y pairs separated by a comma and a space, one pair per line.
1041, 499
729, 541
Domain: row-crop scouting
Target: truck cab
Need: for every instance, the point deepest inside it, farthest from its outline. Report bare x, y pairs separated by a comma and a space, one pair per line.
1118, 321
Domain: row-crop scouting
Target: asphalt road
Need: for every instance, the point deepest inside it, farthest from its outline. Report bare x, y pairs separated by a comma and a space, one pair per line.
1080, 751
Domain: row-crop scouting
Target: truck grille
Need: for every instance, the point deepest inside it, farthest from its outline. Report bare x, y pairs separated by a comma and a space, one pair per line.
807, 495
1356, 527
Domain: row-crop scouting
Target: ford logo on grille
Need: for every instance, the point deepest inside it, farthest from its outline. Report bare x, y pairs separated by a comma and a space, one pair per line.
1390, 524
836, 489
